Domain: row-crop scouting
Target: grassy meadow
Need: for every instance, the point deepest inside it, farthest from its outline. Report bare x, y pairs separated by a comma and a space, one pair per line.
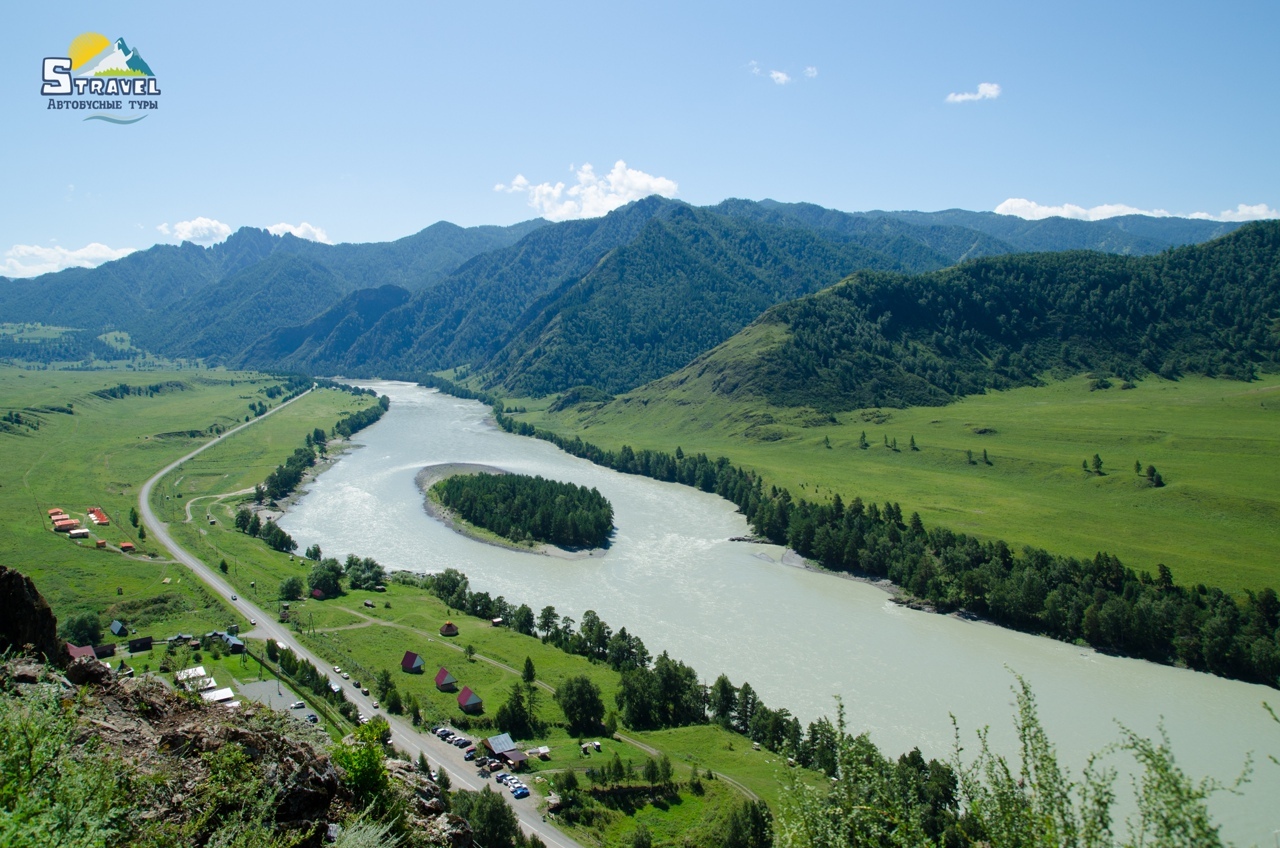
98, 452
1216, 443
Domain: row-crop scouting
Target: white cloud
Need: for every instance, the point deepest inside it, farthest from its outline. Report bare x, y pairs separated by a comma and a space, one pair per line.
1033, 211
1242, 212
199, 230
302, 231
591, 196
811, 72
29, 260
986, 91
754, 67
779, 77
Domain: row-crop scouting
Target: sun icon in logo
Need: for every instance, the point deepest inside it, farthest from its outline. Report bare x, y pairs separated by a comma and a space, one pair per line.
86, 46
92, 54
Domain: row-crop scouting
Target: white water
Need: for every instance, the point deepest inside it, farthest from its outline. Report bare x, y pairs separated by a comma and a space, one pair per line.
800, 638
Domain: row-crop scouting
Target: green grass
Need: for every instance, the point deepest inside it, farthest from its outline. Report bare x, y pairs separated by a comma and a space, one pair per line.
1215, 442
100, 456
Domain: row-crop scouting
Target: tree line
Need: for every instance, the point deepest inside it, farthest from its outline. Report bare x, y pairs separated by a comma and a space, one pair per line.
1096, 601
870, 798
523, 508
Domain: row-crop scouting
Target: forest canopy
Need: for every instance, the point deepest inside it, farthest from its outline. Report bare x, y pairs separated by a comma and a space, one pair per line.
524, 508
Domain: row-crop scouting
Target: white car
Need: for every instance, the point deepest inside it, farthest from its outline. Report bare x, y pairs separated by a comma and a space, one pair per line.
375, 705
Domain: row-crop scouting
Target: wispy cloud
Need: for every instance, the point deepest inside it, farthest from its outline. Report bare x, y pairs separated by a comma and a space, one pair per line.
199, 230
779, 77
986, 91
302, 231
29, 260
1032, 211
591, 195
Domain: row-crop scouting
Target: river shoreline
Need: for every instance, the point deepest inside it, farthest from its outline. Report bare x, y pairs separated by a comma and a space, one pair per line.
432, 474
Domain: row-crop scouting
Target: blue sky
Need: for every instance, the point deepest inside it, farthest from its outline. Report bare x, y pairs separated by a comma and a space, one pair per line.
369, 123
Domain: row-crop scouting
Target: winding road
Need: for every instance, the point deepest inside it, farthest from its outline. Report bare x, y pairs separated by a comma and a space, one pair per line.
403, 735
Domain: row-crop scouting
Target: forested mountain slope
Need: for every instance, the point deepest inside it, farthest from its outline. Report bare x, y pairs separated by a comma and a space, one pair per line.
687, 283
1126, 234
142, 288
881, 339
281, 290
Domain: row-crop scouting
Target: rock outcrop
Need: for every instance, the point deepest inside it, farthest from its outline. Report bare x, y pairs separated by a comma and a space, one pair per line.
28, 625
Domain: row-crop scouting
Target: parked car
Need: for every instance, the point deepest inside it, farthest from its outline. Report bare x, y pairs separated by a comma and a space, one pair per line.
375, 705
346, 676
337, 670
364, 690
312, 717
253, 621
235, 597
470, 754
296, 705
520, 792
502, 777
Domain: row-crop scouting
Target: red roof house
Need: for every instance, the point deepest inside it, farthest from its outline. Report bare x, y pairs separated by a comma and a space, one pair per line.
77, 652
469, 701
445, 681
411, 663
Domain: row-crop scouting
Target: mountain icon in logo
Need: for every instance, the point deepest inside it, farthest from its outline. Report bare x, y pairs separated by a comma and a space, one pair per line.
94, 55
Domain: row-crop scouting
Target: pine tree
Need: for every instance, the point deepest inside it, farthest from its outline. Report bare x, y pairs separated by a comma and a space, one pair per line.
913, 444
528, 675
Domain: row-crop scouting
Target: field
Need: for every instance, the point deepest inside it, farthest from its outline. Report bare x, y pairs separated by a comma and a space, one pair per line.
1216, 443
76, 449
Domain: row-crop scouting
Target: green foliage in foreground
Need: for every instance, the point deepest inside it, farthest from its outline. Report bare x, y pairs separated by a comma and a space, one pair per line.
522, 508
1033, 802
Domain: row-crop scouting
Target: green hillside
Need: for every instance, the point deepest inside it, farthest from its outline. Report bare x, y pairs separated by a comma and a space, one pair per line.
883, 357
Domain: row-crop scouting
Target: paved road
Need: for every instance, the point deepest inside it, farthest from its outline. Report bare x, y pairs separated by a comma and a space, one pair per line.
403, 735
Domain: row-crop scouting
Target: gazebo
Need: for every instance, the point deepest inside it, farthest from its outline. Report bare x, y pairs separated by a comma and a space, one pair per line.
448, 629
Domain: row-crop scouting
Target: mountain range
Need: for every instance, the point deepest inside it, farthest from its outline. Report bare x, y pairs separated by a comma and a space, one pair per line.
613, 302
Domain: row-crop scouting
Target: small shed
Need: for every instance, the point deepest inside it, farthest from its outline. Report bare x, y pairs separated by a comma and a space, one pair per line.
142, 643
496, 622
78, 533
55, 511
469, 701
101, 543
448, 629
445, 681
107, 650
118, 628
411, 663
127, 547
234, 645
